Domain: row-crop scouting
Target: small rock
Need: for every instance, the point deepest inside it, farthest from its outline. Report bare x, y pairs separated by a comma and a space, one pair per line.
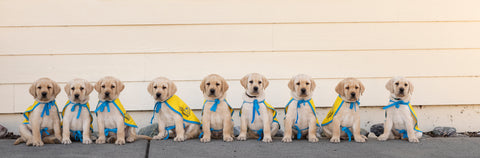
377, 129
3, 131
151, 130
364, 132
443, 132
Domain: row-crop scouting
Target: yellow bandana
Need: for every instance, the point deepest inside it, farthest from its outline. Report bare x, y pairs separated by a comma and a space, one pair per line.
46, 110
215, 104
80, 109
178, 106
102, 105
299, 102
396, 104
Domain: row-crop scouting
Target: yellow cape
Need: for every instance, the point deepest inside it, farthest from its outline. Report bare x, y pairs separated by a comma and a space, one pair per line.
27, 112
127, 118
333, 111
181, 108
269, 107
414, 116
229, 107
88, 108
312, 106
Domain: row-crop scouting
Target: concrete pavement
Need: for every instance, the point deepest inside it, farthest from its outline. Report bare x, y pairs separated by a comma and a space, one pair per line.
428, 147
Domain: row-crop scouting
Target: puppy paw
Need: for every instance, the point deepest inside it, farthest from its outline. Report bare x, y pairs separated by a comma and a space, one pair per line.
130, 139
66, 141
205, 139
267, 139
413, 140
37, 143
313, 139
287, 139
227, 138
158, 137
29, 142
242, 137
120, 142
100, 140
87, 141
360, 140
179, 139
365, 137
335, 139
382, 137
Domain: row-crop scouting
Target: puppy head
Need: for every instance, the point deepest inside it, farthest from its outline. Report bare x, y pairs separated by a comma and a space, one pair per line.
78, 90
350, 89
109, 88
161, 89
214, 86
302, 86
254, 84
44, 90
399, 87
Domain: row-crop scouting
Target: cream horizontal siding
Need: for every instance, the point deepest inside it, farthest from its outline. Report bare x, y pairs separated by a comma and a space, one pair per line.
435, 43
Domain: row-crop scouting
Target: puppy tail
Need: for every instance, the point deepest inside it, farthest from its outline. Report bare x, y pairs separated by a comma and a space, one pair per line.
142, 137
18, 141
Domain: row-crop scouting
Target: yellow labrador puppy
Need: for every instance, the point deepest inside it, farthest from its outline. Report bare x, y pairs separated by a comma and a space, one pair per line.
172, 113
401, 120
112, 119
217, 113
42, 118
257, 116
77, 121
344, 116
300, 115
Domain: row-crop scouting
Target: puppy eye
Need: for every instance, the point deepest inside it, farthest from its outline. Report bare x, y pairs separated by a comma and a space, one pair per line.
307, 83
396, 83
347, 87
164, 87
103, 86
406, 84
251, 81
73, 88
259, 82
298, 83
155, 87
218, 84
49, 87
39, 87
113, 86
208, 84
356, 87
81, 88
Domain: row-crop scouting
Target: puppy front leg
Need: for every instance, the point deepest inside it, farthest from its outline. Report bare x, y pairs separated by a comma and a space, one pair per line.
179, 129
66, 131
161, 130
101, 129
120, 132
287, 137
86, 131
243, 128
335, 131
312, 131
410, 132
356, 131
267, 131
207, 135
37, 136
227, 128
57, 129
387, 128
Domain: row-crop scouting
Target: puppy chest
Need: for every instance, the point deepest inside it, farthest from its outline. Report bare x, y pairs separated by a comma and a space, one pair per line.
166, 116
112, 118
216, 121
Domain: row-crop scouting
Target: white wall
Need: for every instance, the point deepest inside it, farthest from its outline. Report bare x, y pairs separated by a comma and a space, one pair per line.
434, 43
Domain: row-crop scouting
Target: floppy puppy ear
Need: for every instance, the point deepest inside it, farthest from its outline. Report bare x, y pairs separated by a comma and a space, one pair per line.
224, 85
32, 90
290, 84
88, 88
172, 88
340, 87
66, 88
314, 85
120, 86
244, 81
362, 88
202, 85
56, 88
150, 87
389, 85
265, 82
98, 85
410, 89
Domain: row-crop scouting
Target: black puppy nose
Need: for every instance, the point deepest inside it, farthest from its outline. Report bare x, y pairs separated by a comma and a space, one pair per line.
159, 94
353, 94
77, 95
255, 88
44, 93
303, 90
212, 90
402, 89
107, 93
